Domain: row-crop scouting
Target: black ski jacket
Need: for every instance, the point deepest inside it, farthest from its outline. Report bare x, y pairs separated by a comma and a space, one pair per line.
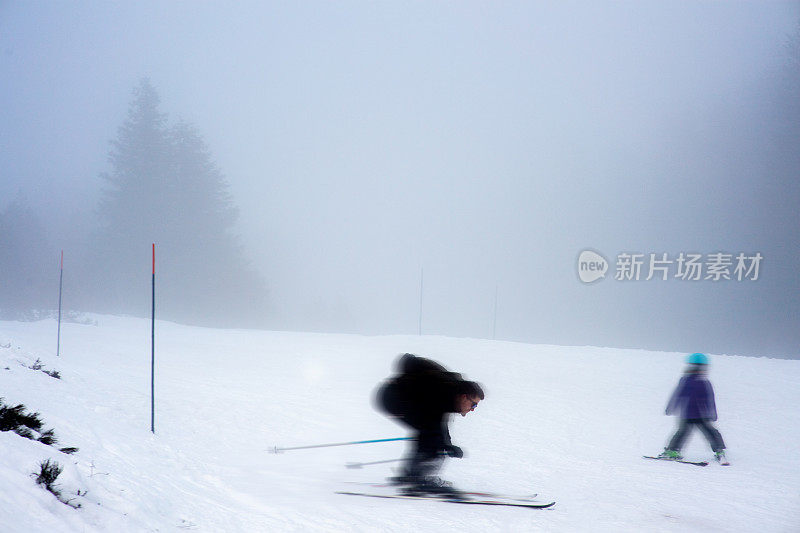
422, 396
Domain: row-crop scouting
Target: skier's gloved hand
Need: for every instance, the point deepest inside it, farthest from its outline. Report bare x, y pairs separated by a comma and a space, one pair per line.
453, 451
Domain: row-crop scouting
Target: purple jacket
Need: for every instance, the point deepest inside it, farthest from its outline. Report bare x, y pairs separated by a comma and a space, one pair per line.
693, 398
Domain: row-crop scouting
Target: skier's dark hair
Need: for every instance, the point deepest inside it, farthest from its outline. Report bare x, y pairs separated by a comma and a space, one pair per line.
471, 388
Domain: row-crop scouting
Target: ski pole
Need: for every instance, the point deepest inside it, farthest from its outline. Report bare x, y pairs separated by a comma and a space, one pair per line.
361, 465
278, 450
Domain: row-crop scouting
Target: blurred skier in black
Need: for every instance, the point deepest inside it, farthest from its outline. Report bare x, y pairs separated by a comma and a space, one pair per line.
422, 397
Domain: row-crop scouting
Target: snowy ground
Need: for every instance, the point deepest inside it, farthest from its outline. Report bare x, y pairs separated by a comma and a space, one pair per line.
568, 422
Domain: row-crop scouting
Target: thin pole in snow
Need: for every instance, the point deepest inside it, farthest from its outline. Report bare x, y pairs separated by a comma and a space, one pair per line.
421, 280
494, 323
60, 286
153, 349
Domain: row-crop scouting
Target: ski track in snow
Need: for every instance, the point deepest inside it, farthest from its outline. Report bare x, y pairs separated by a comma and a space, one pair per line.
570, 423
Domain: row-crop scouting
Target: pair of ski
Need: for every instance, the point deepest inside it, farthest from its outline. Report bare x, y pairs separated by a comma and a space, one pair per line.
465, 497
695, 463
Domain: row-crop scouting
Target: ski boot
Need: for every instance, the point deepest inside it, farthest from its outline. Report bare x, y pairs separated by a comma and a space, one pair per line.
720, 457
670, 454
432, 486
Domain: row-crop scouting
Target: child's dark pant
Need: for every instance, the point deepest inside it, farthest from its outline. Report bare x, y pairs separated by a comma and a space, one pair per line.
686, 424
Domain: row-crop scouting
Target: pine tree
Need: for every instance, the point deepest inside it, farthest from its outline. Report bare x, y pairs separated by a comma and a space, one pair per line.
164, 188
212, 273
129, 206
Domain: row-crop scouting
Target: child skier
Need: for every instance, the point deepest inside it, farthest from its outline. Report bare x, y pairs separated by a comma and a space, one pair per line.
693, 401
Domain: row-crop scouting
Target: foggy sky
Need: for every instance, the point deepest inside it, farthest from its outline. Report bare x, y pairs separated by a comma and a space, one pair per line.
486, 143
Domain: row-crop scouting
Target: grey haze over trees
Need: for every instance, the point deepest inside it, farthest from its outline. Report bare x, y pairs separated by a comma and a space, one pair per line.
164, 188
487, 145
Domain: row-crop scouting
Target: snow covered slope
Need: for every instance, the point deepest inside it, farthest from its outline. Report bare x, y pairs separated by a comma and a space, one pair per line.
568, 422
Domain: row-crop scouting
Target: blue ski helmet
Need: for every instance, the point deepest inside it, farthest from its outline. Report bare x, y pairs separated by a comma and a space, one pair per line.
697, 359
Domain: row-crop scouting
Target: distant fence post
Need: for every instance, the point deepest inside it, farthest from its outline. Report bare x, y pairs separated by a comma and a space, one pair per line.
421, 280
60, 285
494, 322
